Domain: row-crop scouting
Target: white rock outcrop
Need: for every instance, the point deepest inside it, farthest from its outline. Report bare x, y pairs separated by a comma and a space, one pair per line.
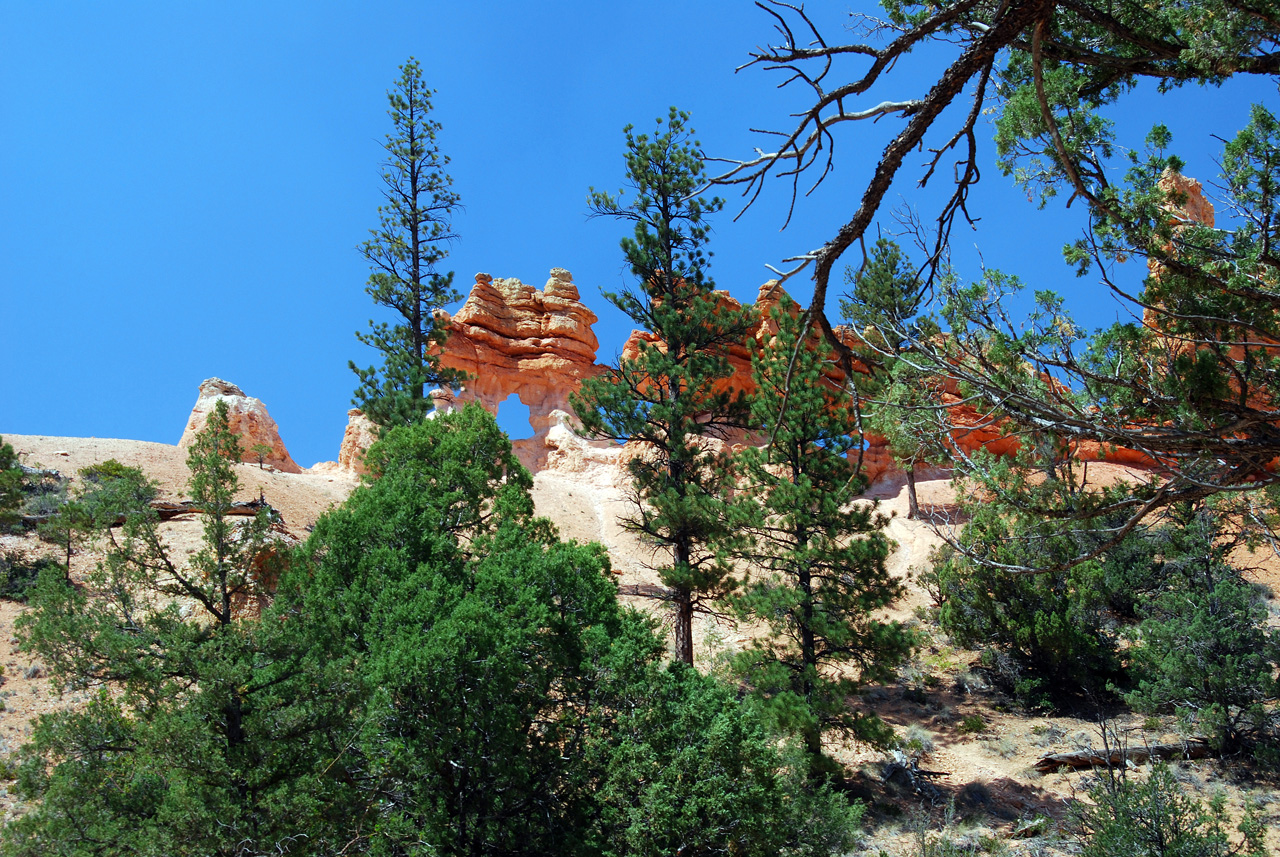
356, 440
590, 462
248, 418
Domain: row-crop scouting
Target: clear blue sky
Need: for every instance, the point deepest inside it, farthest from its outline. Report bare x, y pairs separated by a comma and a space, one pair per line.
183, 185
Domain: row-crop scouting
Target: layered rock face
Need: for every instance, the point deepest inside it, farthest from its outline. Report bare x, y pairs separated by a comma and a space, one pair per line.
538, 345
248, 418
514, 339
972, 430
356, 440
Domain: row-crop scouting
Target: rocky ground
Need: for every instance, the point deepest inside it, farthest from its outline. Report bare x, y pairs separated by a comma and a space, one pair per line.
979, 749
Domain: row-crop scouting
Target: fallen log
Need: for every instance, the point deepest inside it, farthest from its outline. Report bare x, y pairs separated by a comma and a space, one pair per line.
646, 590
249, 508
168, 509
1083, 760
40, 473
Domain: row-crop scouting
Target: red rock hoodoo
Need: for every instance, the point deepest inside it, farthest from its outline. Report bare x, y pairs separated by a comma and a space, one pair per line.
516, 340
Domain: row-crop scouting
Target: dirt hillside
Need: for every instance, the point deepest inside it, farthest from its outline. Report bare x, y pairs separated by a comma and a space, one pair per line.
979, 749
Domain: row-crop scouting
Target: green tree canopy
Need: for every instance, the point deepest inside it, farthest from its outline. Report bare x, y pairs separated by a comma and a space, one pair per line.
814, 558
1192, 386
183, 740
497, 698
883, 309
10, 485
438, 673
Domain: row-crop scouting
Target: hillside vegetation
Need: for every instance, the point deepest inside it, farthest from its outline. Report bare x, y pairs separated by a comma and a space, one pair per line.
735, 645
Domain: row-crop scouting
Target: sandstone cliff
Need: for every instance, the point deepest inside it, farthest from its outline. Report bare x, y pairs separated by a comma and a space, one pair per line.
514, 339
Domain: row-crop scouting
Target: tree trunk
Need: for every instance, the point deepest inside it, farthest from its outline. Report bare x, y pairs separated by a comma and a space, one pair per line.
167, 510
1086, 759
684, 626
913, 506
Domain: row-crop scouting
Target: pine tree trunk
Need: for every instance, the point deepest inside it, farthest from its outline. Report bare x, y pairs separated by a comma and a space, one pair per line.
913, 507
684, 626
808, 640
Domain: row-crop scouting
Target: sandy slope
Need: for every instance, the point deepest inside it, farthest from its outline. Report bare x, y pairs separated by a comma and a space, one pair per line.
988, 774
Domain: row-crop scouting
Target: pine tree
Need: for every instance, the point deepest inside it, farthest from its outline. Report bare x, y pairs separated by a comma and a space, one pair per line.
10, 485
1204, 647
189, 740
403, 254
1190, 382
498, 698
818, 558
882, 308
670, 398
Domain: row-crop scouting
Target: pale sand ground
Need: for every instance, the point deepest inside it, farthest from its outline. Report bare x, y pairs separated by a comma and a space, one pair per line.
998, 760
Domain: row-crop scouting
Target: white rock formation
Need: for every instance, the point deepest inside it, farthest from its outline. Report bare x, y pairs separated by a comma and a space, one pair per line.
586, 461
248, 418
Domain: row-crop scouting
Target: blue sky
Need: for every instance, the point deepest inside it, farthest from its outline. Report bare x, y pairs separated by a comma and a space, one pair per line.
183, 185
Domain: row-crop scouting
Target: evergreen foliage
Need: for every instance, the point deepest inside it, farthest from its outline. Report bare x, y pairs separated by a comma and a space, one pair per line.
1204, 648
404, 254
1154, 817
180, 747
669, 398
438, 673
691, 770
1192, 385
816, 558
1046, 635
260, 451
882, 309
499, 698
20, 572
1199, 642
10, 486
107, 493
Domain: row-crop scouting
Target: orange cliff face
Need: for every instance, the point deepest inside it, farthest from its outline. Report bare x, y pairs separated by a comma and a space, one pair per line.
973, 430
538, 345
513, 339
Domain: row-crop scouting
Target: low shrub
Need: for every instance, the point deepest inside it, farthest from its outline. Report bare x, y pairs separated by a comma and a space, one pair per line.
19, 573
1154, 817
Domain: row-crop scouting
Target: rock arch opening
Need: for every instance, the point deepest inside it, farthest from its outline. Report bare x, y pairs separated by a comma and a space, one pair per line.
513, 417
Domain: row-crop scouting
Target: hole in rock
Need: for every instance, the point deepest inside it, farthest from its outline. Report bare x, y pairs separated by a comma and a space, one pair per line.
513, 418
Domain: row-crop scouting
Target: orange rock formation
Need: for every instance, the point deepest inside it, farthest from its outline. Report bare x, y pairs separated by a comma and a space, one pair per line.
516, 340
513, 339
973, 430
248, 418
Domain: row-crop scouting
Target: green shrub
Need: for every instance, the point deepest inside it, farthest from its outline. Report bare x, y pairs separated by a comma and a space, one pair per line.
1155, 818
10, 486
437, 673
19, 573
1205, 649
8, 770
1041, 634
105, 471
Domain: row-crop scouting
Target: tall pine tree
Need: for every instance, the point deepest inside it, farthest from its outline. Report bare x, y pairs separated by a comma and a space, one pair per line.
671, 397
883, 308
403, 254
817, 557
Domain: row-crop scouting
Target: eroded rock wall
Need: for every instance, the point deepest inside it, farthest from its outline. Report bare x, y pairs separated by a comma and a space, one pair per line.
514, 339
538, 345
